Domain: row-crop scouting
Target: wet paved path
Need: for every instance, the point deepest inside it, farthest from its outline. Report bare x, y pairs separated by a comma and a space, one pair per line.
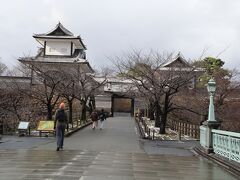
119, 134
113, 153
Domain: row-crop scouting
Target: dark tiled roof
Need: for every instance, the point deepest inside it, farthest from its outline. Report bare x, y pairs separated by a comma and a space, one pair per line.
71, 62
59, 30
179, 58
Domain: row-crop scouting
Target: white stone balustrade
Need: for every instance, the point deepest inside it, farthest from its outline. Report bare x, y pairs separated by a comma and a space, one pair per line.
226, 144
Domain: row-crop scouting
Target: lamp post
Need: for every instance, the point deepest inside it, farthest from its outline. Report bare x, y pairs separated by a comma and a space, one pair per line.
211, 90
206, 137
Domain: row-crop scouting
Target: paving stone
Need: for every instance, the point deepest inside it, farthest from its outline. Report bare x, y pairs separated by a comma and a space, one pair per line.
111, 154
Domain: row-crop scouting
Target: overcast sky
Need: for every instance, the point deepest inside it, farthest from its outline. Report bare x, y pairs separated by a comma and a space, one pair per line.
110, 27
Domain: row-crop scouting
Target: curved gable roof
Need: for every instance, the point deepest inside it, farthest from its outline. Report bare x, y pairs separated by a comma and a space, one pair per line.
178, 60
59, 30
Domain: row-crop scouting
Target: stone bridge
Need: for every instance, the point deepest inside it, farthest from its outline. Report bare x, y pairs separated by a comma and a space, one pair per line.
115, 153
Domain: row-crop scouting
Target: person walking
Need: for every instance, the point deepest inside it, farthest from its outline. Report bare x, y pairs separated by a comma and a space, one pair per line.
102, 117
60, 123
94, 117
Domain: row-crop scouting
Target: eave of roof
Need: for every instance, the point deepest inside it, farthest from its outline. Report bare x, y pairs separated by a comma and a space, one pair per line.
32, 60
14, 77
39, 38
68, 35
55, 37
76, 57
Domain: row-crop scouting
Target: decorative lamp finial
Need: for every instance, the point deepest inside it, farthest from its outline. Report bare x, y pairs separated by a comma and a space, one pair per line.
211, 89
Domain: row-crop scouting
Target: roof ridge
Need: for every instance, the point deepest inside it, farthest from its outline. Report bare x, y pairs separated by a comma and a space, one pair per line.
59, 25
64, 29
178, 56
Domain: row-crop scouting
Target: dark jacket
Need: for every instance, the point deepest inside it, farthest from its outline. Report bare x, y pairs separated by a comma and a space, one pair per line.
94, 116
61, 117
102, 116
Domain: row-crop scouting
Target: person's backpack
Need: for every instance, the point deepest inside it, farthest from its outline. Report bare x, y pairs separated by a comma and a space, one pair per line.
61, 117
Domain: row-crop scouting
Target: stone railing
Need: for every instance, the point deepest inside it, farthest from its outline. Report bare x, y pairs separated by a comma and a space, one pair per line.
226, 144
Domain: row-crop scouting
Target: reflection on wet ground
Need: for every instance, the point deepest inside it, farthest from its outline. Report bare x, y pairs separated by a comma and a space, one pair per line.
69, 164
111, 153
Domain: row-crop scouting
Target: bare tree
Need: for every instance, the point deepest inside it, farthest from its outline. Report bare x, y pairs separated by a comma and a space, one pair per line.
14, 105
44, 85
80, 85
89, 87
21, 69
161, 84
3, 67
69, 89
193, 105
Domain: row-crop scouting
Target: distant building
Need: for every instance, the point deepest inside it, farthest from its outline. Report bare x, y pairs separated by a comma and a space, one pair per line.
118, 97
180, 64
60, 48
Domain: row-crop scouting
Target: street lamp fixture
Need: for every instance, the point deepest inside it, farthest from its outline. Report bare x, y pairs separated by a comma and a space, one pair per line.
211, 86
211, 90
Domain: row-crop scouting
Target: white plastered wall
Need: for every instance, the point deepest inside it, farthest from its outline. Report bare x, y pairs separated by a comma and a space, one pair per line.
58, 48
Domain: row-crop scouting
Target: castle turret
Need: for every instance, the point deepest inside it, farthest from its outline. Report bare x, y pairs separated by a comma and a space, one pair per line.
60, 46
61, 42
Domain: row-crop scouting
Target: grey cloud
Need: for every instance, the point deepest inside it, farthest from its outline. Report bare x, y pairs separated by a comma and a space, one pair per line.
109, 27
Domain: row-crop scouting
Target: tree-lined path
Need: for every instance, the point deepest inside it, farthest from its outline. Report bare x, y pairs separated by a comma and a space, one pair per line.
115, 152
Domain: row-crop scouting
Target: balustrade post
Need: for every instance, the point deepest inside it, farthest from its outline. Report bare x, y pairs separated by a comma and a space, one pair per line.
229, 147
